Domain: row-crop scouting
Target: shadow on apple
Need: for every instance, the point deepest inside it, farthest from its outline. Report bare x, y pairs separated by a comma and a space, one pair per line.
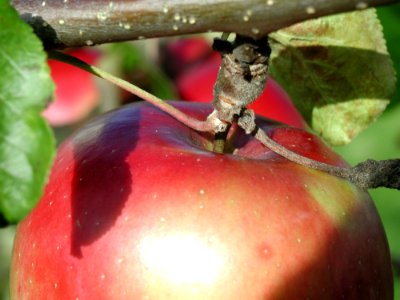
94, 213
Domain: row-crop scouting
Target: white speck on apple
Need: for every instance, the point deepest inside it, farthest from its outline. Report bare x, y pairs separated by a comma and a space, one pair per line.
119, 261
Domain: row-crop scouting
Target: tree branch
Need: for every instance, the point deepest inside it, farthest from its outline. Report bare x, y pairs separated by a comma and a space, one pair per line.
72, 23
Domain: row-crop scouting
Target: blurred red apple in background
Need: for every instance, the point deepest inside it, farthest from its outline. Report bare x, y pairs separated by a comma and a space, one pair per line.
183, 53
76, 94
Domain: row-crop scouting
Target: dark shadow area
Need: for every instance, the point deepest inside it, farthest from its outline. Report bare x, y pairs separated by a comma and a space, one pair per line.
3, 221
42, 29
396, 265
339, 74
102, 180
354, 265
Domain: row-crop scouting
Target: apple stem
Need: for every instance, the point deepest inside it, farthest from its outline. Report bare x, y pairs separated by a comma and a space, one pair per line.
209, 125
220, 140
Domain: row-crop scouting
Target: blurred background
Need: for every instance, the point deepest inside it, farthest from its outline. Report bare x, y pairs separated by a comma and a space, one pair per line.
186, 68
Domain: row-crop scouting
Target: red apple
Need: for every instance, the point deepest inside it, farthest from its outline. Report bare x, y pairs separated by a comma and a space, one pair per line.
137, 207
197, 82
76, 94
180, 54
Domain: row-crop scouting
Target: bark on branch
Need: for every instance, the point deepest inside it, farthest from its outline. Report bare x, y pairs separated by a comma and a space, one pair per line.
72, 23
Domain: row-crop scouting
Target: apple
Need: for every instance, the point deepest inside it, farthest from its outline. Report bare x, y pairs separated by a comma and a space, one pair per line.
196, 66
138, 207
76, 93
183, 53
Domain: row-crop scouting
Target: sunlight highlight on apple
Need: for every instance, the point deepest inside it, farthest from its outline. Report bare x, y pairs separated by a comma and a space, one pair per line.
182, 259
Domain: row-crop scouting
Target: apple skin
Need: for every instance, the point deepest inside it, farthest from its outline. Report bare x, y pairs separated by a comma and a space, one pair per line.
137, 208
197, 82
76, 93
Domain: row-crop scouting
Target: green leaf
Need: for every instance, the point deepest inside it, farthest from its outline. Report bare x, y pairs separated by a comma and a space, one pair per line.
337, 71
390, 16
27, 144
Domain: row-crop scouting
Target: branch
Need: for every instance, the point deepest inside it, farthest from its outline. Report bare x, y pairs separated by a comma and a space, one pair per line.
74, 23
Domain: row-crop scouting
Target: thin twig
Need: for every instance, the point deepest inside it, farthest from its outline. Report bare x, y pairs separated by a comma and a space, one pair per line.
368, 174
199, 125
299, 159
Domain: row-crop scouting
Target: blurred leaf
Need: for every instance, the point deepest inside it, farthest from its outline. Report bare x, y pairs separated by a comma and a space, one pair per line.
390, 19
6, 243
337, 71
137, 66
27, 145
